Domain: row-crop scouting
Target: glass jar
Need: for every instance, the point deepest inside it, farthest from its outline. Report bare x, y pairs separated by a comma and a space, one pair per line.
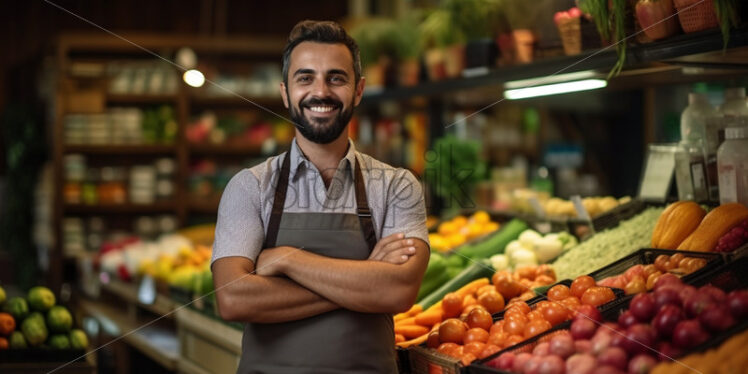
690, 172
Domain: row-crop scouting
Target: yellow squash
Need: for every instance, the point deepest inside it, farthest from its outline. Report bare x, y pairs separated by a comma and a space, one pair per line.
714, 225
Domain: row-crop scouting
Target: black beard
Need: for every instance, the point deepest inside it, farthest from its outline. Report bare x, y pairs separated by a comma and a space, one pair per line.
323, 133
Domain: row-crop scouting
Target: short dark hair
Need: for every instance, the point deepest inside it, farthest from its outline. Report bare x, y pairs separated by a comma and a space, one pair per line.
320, 32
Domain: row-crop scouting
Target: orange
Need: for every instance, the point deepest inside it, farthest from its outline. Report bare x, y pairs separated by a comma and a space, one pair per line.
492, 301
452, 305
476, 334
452, 330
479, 317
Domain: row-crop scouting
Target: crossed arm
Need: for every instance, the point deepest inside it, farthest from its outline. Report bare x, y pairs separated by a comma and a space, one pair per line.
387, 282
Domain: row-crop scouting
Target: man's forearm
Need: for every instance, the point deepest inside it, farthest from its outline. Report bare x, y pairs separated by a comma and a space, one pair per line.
364, 286
246, 297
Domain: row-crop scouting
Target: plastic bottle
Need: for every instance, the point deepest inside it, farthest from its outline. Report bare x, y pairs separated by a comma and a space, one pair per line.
690, 168
735, 104
732, 165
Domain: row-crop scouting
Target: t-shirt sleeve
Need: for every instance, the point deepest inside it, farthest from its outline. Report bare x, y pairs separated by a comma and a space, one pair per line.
405, 210
239, 228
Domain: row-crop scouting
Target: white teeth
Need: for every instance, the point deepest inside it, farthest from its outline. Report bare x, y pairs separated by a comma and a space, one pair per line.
321, 109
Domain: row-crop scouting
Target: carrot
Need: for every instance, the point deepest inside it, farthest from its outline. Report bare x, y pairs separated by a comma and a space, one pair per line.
437, 305
472, 287
416, 341
429, 318
411, 331
406, 322
399, 338
415, 309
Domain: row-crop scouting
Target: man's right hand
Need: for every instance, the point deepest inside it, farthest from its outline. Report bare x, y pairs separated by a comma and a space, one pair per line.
395, 249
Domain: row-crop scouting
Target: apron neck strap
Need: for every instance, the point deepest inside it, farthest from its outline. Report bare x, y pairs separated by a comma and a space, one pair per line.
362, 206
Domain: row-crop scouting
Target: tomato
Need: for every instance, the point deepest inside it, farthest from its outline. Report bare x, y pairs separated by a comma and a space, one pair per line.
544, 280
452, 331
458, 352
489, 350
581, 284
467, 358
515, 316
542, 305
677, 258
571, 304
468, 301
480, 318
485, 289
506, 286
521, 305
514, 327
452, 305
474, 348
661, 262
545, 270
535, 314
648, 269
652, 279
597, 296
513, 339
635, 286
536, 327
558, 292
492, 301
433, 339
447, 348
475, 334
497, 327
469, 309
555, 314
497, 339
527, 272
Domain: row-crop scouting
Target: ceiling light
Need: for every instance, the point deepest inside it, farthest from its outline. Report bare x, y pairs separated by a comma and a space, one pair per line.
554, 89
194, 78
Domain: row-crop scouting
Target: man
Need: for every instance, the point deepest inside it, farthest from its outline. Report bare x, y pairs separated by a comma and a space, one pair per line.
296, 254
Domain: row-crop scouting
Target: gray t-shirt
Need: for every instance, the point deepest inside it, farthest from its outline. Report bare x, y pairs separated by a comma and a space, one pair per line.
395, 198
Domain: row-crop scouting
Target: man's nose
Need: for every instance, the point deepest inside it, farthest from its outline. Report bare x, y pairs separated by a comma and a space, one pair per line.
321, 88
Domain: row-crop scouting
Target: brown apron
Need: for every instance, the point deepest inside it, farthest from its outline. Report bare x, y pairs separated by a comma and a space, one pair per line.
340, 341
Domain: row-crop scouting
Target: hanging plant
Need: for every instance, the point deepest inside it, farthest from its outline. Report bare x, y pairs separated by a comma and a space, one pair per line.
727, 14
610, 20
619, 33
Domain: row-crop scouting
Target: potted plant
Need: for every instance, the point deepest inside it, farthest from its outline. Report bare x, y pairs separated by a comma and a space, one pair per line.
610, 17
521, 17
477, 19
407, 48
443, 42
374, 42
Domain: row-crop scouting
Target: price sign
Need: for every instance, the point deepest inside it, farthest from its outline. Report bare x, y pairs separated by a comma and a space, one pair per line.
657, 176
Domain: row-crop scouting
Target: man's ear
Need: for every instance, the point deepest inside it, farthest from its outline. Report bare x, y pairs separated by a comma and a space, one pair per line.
284, 94
360, 90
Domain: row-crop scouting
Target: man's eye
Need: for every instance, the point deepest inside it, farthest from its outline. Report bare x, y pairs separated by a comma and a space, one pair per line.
337, 79
304, 79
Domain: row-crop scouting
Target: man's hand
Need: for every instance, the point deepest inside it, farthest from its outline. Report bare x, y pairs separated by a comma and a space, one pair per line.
269, 261
394, 249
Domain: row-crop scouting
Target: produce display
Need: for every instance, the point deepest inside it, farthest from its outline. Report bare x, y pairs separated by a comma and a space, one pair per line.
641, 278
35, 321
532, 248
173, 259
471, 287
471, 336
460, 229
686, 226
657, 326
443, 268
608, 246
555, 207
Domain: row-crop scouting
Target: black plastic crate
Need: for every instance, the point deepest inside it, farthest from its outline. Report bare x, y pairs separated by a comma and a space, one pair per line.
403, 362
648, 255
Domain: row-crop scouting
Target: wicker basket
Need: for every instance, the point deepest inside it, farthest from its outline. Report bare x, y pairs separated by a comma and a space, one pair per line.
696, 15
571, 35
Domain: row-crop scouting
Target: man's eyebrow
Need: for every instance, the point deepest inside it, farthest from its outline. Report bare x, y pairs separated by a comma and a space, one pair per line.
337, 71
303, 71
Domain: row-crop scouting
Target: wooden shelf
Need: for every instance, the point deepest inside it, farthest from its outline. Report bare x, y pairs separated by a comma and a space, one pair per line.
241, 150
159, 207
118, 150
236, 101
159, 343
163, 306
700, 49
141, 98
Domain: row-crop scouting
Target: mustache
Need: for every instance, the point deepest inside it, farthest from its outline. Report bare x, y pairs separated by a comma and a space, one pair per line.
324, 101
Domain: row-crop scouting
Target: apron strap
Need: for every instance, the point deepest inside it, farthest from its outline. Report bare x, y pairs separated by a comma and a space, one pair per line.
278, 202
362, 208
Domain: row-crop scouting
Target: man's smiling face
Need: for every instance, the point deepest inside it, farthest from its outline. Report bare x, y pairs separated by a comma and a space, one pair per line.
321, 91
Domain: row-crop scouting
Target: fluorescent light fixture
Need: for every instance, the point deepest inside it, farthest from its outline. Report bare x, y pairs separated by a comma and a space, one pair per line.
554, 89
194, 78
550, 79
